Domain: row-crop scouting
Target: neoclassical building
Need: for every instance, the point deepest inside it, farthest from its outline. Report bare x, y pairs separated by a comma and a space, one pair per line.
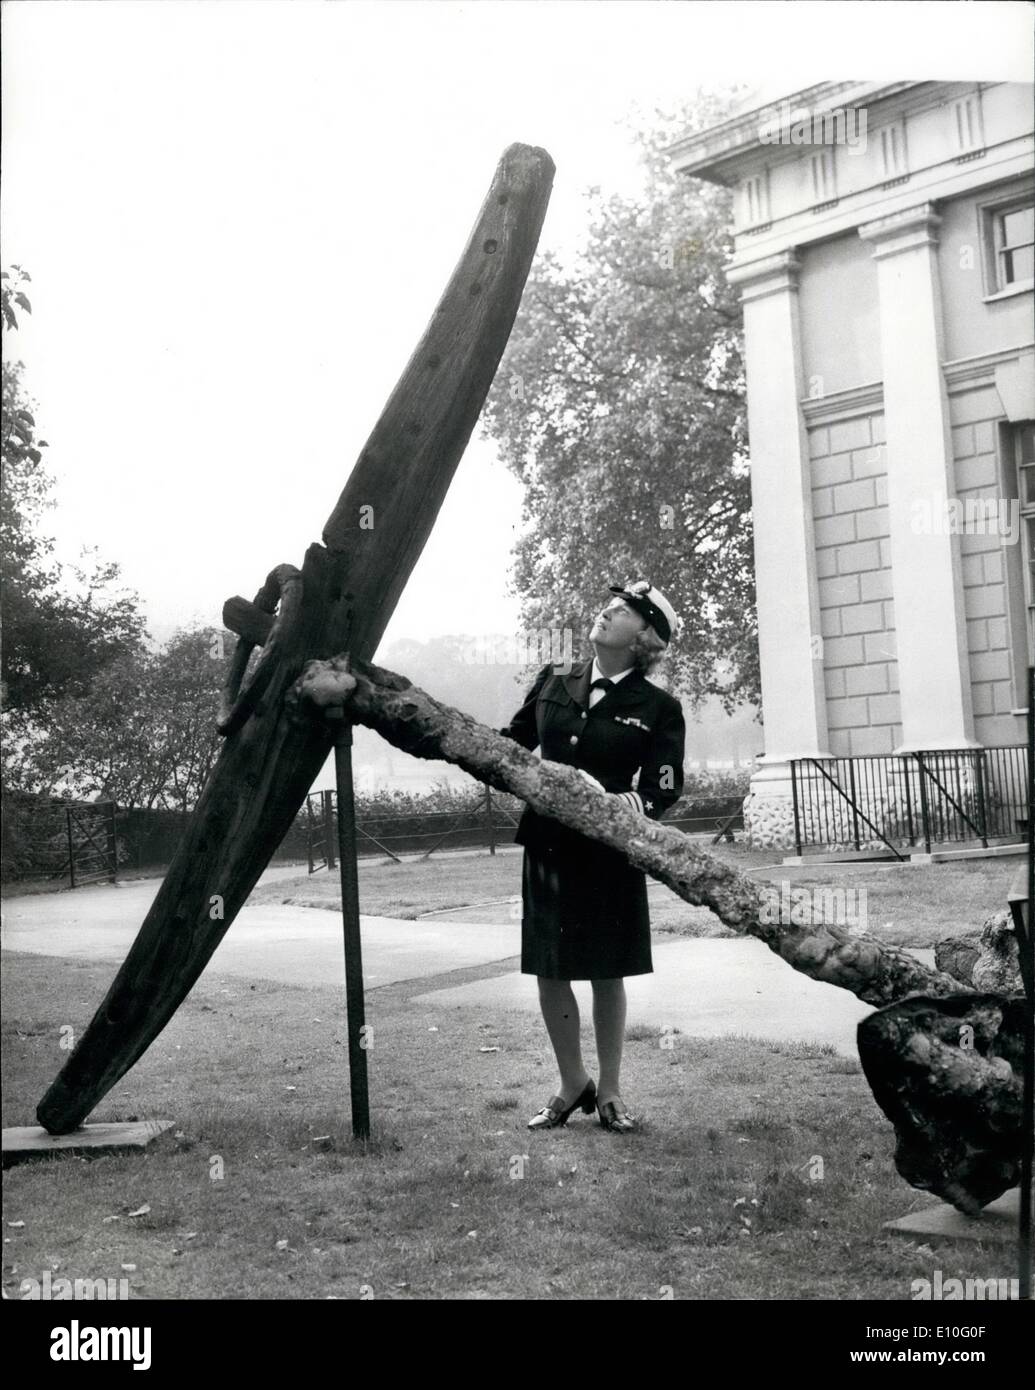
883, 251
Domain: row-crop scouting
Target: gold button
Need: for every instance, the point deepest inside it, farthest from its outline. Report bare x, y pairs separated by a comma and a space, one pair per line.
583, 714
574, 738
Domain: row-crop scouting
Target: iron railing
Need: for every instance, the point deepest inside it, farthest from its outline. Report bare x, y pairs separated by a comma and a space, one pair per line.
74, 838
475, 823
482, 822
896, 801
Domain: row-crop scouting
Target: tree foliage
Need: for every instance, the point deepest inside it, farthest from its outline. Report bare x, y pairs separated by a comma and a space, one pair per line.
620, 406
144, 734
61, 624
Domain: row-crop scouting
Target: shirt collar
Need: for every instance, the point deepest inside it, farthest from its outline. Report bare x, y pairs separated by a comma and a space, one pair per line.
597, 674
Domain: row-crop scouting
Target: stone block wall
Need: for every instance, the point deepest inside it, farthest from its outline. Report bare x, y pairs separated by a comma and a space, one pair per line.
853, 569
984, 556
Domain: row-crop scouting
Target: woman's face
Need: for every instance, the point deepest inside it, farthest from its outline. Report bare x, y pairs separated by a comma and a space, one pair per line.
616, 625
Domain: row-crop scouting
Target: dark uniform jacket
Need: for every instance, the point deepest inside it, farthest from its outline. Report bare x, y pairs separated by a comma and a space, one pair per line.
635, 726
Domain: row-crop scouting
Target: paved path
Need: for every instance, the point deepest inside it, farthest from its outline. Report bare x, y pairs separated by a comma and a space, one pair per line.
704, 987
294, 945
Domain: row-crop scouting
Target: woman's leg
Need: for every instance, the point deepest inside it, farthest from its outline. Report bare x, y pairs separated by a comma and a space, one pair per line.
609, 1022
561, 1016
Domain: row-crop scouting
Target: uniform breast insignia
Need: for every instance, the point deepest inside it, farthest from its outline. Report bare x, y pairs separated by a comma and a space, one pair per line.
629, 720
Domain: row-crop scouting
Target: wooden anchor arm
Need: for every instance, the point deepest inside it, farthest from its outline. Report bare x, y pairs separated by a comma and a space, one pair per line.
348, 589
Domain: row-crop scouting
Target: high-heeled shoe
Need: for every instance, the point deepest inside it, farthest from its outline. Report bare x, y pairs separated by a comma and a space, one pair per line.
617, 1121
556, 1112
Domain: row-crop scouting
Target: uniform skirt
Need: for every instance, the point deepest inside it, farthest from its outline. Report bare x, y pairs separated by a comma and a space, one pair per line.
584, 914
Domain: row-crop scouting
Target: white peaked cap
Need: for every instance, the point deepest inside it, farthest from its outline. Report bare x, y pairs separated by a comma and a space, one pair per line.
651, 604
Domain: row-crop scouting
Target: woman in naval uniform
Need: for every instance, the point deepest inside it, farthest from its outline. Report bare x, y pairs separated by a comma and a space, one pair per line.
585, 913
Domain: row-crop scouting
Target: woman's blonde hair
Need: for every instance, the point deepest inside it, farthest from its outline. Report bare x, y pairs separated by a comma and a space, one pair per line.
647, 650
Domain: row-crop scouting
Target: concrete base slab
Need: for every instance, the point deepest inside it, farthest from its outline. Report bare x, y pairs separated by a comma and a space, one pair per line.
805, 861
22, 1142
936, 856
998, 1221
942, 856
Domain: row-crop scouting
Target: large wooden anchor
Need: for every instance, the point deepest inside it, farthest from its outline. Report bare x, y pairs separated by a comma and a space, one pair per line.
340, 600
318, 629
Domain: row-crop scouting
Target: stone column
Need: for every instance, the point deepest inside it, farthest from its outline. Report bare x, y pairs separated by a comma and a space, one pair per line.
793, 694
930, 622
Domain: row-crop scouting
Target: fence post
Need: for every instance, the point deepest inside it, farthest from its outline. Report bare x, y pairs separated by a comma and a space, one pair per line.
113, 845
923, 802
71, 846
909, 800
855, 808
794, 799
488, 812
979, 776
309, 831
1026, 945
960, 798
329, 839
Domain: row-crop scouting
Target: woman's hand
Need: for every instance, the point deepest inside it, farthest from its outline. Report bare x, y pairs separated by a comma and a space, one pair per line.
591, 780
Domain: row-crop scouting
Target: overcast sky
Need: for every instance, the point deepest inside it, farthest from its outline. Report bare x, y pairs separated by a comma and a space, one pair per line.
238, 217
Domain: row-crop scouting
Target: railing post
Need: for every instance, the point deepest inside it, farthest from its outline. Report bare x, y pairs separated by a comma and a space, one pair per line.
309, 832
855, 807
960, 798
1026, 944
979, 777
923, 802
71, 846
113, 844
328, 828
488, 812
909, 801
794, 801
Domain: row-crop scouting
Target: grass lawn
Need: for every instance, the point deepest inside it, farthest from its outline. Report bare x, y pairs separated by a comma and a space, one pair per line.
762, 1171
911, 905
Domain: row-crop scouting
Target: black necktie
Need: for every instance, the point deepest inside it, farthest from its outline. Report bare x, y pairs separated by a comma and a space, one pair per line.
601, 683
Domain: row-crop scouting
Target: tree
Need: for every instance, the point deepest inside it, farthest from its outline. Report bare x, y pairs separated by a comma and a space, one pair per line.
26, 484
189, 678
57, 634
620, 405
144, 734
